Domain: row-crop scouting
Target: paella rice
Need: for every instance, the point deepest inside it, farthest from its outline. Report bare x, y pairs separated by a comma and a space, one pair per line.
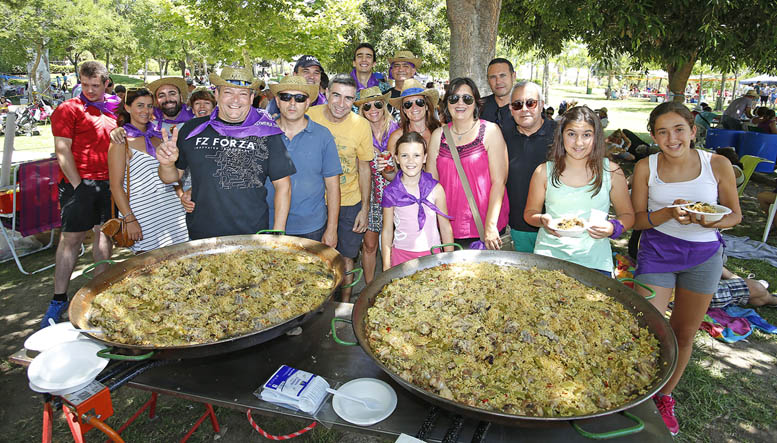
702, 207
524, 342
211, 297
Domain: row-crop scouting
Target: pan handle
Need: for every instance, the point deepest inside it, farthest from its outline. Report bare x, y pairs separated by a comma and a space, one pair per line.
652, 292
106, 353
359, 271
444, 245
334, 332
639, 426
91, 267
272, 231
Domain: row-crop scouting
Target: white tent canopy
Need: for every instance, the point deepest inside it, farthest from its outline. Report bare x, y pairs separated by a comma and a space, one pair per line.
769, 79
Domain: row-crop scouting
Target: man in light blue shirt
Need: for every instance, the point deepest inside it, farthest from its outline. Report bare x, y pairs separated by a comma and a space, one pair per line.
315, 187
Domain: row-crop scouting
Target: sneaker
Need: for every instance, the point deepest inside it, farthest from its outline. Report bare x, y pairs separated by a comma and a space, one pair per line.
54, 312
665, 405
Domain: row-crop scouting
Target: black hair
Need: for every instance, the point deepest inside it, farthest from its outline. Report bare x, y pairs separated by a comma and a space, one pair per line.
368, 46
119, 88
411, 137
324, 82
454, 85
502, 60
93, 68
123, 116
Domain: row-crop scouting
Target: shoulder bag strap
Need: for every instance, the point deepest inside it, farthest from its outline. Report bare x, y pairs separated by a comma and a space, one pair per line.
473, 207
127, 178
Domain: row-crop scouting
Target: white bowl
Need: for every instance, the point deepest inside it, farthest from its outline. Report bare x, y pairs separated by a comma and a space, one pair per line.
720, 211
575, 232
365, 387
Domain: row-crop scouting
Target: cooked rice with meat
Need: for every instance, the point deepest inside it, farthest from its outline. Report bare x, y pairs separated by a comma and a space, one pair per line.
570, 223
210, 297
524, 342
702, 207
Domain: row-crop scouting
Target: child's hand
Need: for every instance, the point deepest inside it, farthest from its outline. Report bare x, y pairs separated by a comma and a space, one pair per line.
547, 220
600, 230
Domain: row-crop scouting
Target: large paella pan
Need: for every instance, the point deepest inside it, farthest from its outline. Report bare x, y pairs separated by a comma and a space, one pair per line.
645, 315
326, 258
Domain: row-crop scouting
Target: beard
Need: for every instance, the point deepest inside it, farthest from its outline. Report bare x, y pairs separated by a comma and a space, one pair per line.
171, 112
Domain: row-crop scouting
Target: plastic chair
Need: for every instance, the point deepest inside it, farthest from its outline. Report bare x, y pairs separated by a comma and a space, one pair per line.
749, 163
35, 206
769, 220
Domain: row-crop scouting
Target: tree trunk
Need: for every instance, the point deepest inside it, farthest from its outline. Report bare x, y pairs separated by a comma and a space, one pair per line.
719, 103
577, 76
701, 86
205, 67
182, 67
161, 64
108, 61
74, 61
588, 79
145, 69
473, 25
545, 80
609, 84
678, 78
734, 89
125, 67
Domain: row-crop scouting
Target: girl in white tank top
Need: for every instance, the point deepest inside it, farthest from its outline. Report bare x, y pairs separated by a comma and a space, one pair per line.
677, 253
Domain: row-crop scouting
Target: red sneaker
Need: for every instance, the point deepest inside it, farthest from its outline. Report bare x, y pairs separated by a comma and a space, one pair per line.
665, 405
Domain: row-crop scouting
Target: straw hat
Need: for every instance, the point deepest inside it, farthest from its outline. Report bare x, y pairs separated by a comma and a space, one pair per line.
294, 83
414, 87
405, 56
370, 95
178, 82
751, 93
235, 78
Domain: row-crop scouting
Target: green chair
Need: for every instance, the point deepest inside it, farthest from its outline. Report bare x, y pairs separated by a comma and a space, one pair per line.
749, 162
769, 220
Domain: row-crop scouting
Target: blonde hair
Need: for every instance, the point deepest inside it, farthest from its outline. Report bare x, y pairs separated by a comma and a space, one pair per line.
386, 118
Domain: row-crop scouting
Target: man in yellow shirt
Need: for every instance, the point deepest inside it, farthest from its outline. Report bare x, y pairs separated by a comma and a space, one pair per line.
353, 138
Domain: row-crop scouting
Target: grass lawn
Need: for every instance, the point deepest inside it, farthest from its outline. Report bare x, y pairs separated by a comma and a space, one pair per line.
728, 392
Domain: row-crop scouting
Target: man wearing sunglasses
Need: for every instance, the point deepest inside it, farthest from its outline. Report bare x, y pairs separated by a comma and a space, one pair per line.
501, 76
353, 138
528, 140
314, 153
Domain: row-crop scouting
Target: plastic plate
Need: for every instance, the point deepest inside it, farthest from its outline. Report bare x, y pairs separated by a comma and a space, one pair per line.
365, 387
720, 211
66, 365
51, 336
575, 232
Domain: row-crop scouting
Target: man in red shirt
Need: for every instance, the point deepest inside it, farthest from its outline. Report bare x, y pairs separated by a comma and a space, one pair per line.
81, 127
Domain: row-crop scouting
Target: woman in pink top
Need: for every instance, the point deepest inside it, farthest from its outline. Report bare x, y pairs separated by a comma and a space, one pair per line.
483, 154
413, 207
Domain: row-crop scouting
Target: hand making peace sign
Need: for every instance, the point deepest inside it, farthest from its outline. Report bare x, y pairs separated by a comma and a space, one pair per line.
167, 151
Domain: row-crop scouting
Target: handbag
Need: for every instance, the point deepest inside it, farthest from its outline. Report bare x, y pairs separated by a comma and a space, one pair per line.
506, 238
116, 228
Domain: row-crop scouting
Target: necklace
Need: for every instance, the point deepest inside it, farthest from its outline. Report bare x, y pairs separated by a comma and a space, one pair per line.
459, 135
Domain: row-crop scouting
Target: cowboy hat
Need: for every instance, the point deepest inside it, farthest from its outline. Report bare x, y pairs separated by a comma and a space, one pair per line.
751, 93
371, 94
178, 82
405, 56
414, 87
235, 78
295, 83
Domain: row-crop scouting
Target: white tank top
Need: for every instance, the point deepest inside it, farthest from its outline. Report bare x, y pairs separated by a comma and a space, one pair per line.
703, 188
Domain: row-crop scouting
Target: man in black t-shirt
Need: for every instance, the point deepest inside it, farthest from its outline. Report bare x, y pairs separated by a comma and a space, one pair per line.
528, 139
501, 76
230, 155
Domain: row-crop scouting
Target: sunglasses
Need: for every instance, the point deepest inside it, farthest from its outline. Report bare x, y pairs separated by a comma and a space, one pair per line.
468, 99
366, 107
530, 104
299, 98
418, 102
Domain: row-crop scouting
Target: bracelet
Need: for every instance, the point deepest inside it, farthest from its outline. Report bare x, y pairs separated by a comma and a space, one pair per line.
617, 228
649, 220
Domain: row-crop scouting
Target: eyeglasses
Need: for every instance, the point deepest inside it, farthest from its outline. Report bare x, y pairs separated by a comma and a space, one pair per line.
378, 105
299, 98
468, 99
418, 102
530, 104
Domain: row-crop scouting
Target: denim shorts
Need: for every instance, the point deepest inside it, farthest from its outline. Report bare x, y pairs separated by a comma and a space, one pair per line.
702, 278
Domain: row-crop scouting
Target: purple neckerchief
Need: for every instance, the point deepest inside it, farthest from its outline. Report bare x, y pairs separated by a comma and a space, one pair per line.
320, 100
660, 253
395, 194
373, 81
183, 116
108, 106
257, 123
383, 144
132, 131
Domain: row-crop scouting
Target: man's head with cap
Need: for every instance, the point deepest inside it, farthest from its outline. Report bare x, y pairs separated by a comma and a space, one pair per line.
310, 68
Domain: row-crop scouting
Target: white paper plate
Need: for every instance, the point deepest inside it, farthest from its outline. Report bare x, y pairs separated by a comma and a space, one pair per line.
51, 336
577, 232
720, 212
66, 365
61, 391
365, 387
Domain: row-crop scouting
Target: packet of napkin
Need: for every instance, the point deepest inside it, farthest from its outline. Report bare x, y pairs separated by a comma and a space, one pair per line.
294, 389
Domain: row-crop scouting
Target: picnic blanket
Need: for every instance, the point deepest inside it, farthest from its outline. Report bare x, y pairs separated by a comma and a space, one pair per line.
733, 323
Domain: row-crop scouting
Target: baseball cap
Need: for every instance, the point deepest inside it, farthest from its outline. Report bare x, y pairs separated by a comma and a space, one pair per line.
307, 61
